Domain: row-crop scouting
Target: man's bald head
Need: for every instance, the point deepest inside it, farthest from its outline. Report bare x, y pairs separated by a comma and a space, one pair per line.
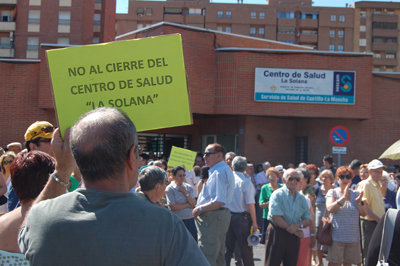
100, 142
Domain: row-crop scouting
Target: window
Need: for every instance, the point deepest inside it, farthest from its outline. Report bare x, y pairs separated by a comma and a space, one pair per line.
341, 18
332, 33
340, 33
228, 29
148, 11
96, 39
333, 17
261, 15
363, 14
64, 17
173, 11
286, 30
289, 15
97, 19
363, 28
253, 14
252, 30
195, 12
384, 25
377, 56
65, 2
33, 43
390, 56
62, 40
5, 42
261, 31
363, 42
220, 14
32, 48
34, 2
219, 28
64, 20
34, 17
313, 16
340, 48
228, 14
331, 47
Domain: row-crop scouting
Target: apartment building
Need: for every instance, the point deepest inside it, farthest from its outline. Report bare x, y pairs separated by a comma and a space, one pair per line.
376, 29
25, 24
291, 21
369, 26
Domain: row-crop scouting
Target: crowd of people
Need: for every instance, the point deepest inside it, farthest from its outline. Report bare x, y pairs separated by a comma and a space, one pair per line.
95, 197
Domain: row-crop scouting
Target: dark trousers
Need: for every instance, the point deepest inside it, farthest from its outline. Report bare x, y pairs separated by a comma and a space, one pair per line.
281, 247
191, 227
264, 230
367, 228
239, 230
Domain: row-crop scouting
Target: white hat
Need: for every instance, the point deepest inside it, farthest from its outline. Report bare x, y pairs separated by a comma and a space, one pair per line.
279, 168
375, 164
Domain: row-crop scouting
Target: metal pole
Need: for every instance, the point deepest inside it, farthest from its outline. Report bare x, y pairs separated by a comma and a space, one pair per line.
338, 159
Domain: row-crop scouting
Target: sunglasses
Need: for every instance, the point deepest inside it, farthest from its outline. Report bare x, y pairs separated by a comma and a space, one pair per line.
8, 162
345, 176
209, 153
294, 178
47, 129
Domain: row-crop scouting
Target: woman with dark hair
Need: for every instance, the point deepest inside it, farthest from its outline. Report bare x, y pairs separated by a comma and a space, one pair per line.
29, 174
180, 200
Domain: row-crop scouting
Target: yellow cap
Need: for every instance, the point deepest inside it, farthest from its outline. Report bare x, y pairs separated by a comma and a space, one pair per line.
39, 129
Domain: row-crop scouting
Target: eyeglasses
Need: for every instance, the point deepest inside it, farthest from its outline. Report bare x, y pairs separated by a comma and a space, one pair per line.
345, 176
8, 162
47, 129
209, 153
294, 178
44, 140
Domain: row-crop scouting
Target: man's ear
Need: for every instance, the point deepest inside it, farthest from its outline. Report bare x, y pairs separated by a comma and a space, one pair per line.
132, 157
32, 146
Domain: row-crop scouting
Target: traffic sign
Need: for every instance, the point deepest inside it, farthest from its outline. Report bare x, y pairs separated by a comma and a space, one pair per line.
339, 136
339, 150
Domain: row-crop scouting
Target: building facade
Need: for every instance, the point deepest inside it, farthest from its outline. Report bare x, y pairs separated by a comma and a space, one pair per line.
291, 21
25, 24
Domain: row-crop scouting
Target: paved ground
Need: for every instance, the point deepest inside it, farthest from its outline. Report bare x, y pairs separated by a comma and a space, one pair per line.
259, 256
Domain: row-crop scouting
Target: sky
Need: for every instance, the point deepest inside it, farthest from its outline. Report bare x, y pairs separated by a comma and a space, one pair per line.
122, 5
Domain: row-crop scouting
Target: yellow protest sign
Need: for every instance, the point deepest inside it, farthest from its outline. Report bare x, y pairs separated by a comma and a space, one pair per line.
181, 157
145, 78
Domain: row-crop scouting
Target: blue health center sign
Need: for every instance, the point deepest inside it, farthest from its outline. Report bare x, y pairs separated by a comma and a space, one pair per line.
304, 86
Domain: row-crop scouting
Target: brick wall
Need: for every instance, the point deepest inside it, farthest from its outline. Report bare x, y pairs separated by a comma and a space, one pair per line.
19, 101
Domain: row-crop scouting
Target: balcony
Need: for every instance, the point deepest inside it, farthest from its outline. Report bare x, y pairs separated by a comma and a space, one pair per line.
6, 52
7, 26
384, 18
286, 37
384, 46
8, 2
385, 32
287, 22
385, 62
308, 23
308, 38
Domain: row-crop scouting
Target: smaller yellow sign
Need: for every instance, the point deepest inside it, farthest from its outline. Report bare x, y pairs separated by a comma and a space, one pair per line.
182, 157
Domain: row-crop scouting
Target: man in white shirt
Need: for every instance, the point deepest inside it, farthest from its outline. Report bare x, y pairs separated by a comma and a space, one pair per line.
211, 213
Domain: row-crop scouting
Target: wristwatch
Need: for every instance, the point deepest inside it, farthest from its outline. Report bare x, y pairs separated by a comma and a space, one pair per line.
187, 195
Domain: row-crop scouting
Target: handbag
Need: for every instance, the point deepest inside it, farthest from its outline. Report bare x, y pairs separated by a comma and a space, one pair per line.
324, 232
387, 237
